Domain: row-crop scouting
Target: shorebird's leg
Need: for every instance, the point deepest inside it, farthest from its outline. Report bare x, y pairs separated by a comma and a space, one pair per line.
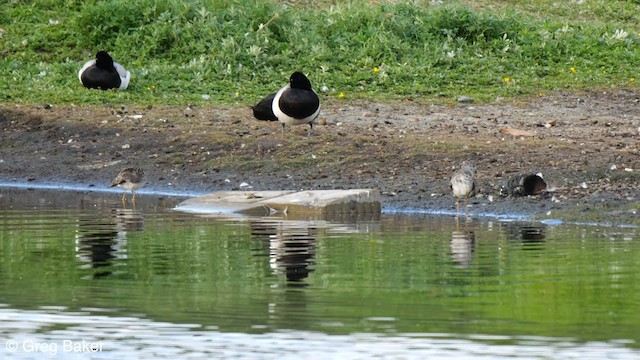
466, 206
133, 192
282, 128
457, 205
310, 129
124, 197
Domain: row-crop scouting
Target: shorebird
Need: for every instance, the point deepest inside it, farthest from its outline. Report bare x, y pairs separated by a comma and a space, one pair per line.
463, 184
296, 103
103, 73
129, 179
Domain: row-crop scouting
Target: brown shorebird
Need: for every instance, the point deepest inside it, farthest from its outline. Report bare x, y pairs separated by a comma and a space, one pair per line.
129, 179
463, 184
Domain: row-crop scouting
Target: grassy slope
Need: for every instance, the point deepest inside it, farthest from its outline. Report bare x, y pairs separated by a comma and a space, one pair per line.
236, 51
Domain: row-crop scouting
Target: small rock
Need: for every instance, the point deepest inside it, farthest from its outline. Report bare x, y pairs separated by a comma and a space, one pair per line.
466, 99
517, 132
126, 146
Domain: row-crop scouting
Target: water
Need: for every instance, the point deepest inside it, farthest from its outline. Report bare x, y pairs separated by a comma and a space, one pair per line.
83, 277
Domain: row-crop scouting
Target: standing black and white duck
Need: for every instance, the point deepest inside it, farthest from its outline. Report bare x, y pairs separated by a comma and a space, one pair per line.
294, 104
104, 73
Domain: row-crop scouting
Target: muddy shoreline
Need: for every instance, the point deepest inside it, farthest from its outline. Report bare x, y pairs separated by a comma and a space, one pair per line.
585, 145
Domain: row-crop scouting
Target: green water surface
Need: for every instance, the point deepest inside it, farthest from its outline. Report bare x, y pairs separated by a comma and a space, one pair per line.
403, 275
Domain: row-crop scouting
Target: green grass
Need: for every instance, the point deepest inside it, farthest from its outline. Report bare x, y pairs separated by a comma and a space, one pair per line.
237, 51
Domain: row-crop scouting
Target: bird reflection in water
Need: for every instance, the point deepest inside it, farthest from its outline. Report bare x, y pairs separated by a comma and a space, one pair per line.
292, 247
530, 235
100, 240
463, 245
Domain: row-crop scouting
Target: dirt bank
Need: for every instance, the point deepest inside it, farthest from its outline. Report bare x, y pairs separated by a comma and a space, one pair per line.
585, 145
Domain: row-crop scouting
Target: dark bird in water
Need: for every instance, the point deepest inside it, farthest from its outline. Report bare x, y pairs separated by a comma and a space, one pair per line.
103, 73
129, 179
263, 110
295, 103
463, 184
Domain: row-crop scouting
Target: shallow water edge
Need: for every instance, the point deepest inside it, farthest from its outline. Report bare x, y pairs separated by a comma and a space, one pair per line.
474, 212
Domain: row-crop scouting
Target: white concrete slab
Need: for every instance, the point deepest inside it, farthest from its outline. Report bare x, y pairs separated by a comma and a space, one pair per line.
288, 202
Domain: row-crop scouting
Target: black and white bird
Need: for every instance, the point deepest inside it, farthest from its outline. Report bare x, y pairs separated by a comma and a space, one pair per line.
524, 185
296, 103
129, 179
463, 184
104, 73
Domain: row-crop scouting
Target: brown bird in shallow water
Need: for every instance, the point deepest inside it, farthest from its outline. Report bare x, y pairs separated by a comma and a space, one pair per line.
129, 179
463, 184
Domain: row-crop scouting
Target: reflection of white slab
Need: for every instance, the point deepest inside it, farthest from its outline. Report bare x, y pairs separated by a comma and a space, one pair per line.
291, 203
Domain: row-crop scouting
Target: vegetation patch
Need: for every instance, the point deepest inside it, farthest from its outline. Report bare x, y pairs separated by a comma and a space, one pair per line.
228, 52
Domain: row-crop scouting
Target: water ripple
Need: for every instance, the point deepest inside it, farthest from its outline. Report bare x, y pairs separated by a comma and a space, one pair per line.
137, 338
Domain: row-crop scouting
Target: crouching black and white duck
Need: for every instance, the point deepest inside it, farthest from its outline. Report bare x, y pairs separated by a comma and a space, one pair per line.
104, 73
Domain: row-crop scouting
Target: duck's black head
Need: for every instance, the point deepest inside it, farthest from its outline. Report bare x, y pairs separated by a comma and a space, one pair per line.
104, 60
299, 81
